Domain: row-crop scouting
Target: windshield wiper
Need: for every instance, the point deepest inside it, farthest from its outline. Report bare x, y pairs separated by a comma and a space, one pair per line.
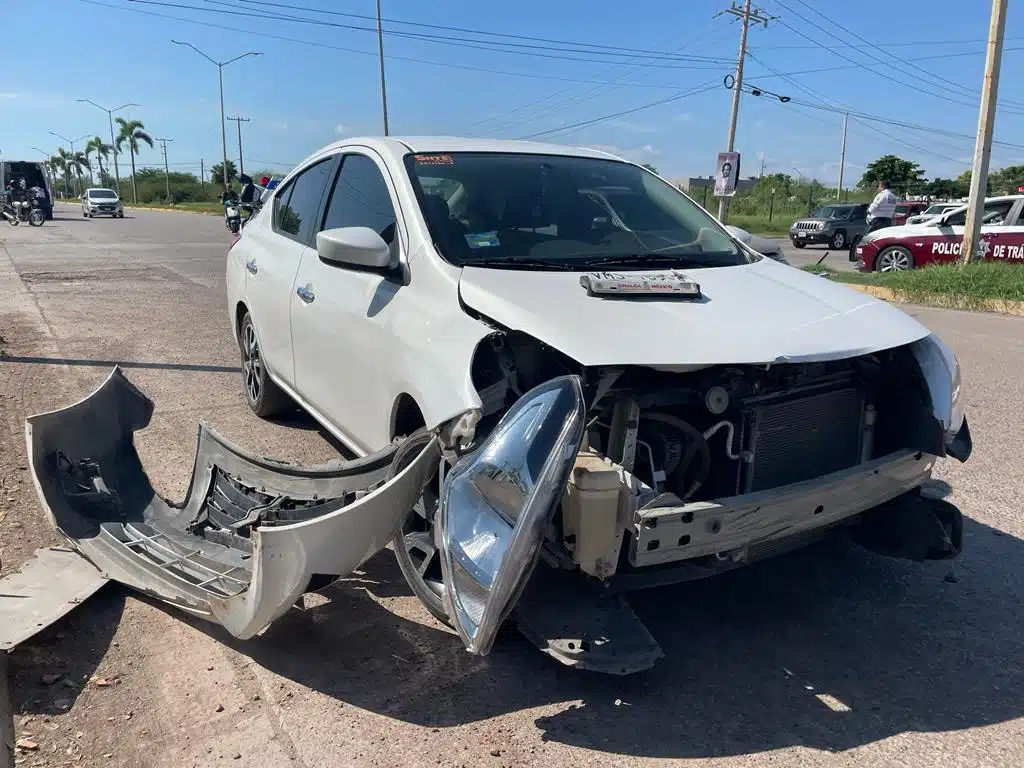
633, 259
514, 262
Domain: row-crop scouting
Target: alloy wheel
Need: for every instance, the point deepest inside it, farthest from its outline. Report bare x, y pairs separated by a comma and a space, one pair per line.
839, 240
252, 364
894, 260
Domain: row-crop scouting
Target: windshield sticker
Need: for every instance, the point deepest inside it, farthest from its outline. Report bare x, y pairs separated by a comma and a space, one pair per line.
482, 239
434, 159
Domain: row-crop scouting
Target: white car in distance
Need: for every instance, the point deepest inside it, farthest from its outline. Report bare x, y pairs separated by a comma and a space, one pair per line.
631, 400
99, 201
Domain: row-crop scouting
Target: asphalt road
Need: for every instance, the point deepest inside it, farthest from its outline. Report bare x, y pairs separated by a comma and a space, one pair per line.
831, 656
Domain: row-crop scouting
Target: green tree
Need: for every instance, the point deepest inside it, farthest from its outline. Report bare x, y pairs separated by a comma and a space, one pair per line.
59, 163
132, 133
650, 167
902, 175
217, 173
102, 150
80, 162
948, 188
1006, 180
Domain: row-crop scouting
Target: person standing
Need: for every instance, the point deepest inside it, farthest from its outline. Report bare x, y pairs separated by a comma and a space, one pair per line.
882, 208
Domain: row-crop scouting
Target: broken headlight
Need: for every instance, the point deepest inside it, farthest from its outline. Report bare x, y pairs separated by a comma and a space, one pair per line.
941, 370
497, 502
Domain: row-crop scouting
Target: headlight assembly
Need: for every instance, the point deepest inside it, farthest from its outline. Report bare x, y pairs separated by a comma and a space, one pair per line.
496, 505
941, 370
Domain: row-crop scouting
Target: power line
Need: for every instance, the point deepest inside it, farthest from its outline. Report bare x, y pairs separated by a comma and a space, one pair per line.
528, 49
711, 85
937, 79
415, 60
873, 46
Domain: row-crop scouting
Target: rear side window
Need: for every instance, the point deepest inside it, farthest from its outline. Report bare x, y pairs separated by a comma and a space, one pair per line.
361, 199
295, 209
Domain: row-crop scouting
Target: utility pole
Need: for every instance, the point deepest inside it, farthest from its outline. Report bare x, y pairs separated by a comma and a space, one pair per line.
238, 122
761, 176
746, 14
167, 173
113, 145
202, 175
383, 87
842, 156
986, 124
220, 81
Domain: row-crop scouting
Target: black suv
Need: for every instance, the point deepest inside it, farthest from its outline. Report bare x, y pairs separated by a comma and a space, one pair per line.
837, 225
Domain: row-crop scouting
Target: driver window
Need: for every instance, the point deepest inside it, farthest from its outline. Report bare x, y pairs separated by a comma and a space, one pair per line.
996, 213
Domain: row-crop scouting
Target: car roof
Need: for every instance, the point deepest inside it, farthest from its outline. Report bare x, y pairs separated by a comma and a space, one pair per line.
397, 146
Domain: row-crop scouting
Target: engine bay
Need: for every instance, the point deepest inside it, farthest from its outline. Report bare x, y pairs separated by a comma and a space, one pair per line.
716, 433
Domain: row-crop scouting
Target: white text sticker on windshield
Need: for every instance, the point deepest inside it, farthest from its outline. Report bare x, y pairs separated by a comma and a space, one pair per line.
640, 284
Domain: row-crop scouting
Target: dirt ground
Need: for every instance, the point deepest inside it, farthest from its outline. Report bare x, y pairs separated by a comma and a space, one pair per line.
830, 656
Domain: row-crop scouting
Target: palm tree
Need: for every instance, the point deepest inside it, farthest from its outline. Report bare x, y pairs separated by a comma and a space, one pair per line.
79, 161
102, 150
131, 132
63, 161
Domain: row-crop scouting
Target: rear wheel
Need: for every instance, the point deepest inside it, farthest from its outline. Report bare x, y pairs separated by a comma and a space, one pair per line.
265, 398
36, 217
895, 258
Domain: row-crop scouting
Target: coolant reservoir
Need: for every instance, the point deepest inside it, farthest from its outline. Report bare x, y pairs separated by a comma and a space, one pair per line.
595, 509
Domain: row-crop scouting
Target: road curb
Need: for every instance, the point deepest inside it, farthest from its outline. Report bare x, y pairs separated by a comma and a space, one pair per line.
997, 306
171, 210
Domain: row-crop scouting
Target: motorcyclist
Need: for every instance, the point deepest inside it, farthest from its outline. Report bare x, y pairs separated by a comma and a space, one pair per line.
228, 195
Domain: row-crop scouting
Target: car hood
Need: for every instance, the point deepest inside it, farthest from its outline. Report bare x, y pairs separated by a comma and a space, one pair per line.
103, 201
763, 312
920, 229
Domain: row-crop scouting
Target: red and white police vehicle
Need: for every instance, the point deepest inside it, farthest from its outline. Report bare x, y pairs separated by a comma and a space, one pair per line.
937, 241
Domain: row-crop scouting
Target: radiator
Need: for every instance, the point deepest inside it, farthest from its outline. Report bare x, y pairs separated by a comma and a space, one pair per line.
803, 437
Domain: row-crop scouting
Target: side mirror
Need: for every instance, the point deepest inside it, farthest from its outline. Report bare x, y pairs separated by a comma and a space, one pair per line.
353, 247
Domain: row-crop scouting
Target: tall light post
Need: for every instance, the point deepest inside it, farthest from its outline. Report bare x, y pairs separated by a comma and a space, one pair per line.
220, 81
72, 145
113, 146
380, 49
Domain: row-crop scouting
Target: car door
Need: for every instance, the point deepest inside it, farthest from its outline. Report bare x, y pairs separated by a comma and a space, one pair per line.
341, 316
1003, 238
273, 255
944, 246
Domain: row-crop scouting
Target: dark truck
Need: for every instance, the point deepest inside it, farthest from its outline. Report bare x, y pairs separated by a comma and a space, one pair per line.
836, 225
34, 175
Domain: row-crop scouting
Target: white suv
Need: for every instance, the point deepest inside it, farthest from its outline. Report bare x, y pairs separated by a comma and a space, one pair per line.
99, 201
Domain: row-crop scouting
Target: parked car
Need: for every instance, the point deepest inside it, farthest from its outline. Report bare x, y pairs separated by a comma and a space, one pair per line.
933, 210
762, 245
906, 209
550, 406
938, 239
99, 201
35, 176
837, 225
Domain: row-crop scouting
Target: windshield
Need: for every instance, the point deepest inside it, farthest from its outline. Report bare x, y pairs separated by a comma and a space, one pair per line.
106, 194
833, 212
537, 211
934, 210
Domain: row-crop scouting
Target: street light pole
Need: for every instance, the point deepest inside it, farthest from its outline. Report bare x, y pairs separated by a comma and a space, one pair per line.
113, 145
986, 123
842, 156
380, 49
220, 81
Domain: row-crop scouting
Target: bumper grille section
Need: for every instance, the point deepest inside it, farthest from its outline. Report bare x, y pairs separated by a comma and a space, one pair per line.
803, 437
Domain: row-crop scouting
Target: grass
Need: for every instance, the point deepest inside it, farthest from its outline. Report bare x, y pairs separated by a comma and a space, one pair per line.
973, 286
195, 207
759, 225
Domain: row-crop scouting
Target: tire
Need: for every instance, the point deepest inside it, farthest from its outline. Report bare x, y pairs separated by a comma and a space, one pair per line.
234, 226
264, 397
417, 533
895, 258
838, 240
85, 214
798, 245
36, 217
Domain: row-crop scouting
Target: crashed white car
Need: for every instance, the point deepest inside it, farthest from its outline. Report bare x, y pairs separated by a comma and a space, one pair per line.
562, 381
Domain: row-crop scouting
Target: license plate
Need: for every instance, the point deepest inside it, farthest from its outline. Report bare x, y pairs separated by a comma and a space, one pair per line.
801, 234
639, 283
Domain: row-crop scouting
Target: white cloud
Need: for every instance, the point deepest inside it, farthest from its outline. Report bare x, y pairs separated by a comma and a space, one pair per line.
341, 129
683, 117
629, 125
642, 154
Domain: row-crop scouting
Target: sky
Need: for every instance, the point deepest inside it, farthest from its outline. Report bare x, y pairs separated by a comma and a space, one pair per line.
642, 79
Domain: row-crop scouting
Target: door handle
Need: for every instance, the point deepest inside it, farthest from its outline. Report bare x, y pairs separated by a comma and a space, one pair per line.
306, 294
251, 266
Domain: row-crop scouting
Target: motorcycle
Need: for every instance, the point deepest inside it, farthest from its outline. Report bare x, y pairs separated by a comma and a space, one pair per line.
30, 211
7, 210
232, 216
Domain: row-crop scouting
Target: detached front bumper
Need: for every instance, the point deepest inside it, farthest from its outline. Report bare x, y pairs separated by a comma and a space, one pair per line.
252, 532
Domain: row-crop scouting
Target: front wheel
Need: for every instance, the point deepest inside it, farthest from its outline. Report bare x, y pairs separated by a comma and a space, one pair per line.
234, 226
838, 240
798, 245
895, 258
417, 554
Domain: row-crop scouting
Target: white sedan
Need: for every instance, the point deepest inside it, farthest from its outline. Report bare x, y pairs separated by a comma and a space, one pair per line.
562, 381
